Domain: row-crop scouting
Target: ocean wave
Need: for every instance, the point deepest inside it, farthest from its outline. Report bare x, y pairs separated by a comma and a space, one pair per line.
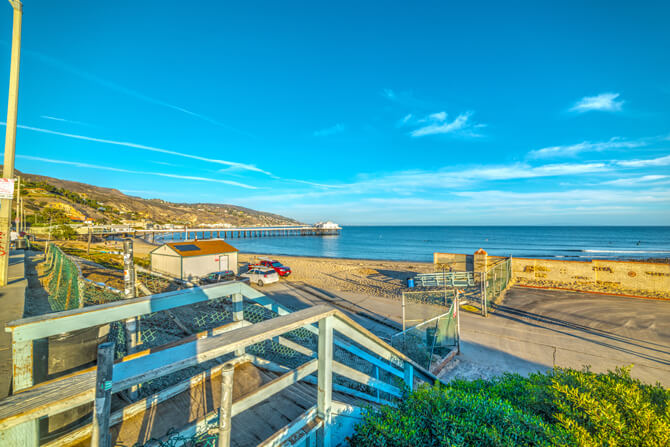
628, 251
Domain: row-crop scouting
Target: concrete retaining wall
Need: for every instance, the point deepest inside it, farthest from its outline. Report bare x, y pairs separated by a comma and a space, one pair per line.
623, 277
634, 278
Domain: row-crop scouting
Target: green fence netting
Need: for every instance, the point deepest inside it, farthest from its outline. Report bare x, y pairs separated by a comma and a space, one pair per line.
66, 286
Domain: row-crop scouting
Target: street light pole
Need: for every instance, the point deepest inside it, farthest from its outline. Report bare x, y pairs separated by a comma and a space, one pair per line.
10, 139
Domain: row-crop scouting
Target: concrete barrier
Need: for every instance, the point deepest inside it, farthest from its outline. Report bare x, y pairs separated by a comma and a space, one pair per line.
631, 278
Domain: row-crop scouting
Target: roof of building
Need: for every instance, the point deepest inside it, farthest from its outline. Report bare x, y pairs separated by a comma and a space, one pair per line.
199, 248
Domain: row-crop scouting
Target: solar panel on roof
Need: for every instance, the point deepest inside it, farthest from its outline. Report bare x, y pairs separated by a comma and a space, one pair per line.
187, 247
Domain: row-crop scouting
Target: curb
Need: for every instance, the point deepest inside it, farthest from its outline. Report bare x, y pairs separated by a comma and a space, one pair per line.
595, 293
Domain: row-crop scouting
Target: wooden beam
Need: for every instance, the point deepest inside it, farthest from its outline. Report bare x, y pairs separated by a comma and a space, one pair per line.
274, 386
146, 404
365, 379
349, 328
165, 362
324, 404
100, 437
284, 433
60, 322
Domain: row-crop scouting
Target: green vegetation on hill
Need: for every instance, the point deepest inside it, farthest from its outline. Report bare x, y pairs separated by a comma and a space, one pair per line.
61, 201
564, 407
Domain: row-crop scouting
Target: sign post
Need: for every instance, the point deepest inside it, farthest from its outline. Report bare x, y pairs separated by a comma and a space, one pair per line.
10, 140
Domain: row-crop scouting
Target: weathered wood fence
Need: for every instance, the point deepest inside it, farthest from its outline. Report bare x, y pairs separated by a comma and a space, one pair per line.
19, 413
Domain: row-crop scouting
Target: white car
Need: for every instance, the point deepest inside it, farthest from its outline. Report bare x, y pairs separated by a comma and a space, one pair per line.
261, 276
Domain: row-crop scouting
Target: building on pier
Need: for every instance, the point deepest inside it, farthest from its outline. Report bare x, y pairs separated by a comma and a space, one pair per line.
193, 259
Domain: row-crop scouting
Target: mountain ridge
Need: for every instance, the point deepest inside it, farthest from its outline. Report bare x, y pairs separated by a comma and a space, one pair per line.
45, 196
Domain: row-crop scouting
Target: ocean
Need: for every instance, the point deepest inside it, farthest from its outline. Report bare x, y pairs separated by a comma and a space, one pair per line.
405, 243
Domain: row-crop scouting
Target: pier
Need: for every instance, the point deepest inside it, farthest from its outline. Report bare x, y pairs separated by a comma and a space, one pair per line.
185, 234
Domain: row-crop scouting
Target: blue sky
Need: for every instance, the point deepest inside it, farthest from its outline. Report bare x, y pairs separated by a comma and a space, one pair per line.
461, 113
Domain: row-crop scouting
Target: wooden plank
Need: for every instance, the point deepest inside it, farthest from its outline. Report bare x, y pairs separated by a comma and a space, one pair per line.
365, 379
368, 357
275, 367
61, 394
368, 340
287, 379
143, 405
284, 433
100, 436
269, 303
296, 347
57, 323
324, 404
165, 362
46, 399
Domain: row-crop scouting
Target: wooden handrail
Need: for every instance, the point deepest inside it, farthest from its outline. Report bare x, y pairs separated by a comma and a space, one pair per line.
62, 394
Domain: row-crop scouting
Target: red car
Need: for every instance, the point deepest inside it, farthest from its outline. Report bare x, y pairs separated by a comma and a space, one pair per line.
282, 270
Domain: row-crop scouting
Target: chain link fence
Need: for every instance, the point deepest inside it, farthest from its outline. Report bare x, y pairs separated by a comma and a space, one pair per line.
493, 282
62, 280
67, 287
430, 326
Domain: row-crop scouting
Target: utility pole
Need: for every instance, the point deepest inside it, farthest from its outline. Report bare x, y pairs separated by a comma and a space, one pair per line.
10, 139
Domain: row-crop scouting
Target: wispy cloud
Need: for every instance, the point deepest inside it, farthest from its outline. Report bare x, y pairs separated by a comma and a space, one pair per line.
605, 102
660, 161
143, 147
130, 171
585, 146
407, 182
634, 181
437, 123
63, 120
337, 128
127, 91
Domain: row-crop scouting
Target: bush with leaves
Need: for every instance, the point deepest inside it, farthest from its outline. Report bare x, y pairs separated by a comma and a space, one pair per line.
65, 232
563, 407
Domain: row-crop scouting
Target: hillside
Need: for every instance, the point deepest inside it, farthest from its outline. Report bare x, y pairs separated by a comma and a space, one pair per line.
46, 197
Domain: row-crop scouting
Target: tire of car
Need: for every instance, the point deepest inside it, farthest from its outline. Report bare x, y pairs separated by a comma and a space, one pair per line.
260, 283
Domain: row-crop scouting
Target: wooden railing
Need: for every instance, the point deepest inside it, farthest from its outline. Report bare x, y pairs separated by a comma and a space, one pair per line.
20, 412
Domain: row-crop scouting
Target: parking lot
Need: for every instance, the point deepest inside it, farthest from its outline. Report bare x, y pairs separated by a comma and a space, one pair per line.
535, 329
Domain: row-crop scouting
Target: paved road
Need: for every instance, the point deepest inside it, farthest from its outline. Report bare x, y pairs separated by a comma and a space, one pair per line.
535, 329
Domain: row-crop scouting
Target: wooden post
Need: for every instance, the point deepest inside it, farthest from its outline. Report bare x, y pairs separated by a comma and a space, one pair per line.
409, 376
403, 312
458, 321
100, 436
238, 314
26, 434
483, 293
88, 244
226, 404
325, 380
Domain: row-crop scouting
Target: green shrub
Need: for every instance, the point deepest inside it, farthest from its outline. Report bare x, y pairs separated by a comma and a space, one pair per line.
65, 232
562, 407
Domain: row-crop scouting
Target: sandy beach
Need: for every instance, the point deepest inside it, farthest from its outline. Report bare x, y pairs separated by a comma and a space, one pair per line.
370, 277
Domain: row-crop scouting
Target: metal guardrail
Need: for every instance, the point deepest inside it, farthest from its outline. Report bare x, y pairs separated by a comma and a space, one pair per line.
442, 279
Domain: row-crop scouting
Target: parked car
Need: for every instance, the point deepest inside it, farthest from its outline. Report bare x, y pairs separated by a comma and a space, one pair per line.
282, 270
261, 276
215, 277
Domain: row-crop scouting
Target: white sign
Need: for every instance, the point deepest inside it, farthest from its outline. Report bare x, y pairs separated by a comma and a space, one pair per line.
6, 188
